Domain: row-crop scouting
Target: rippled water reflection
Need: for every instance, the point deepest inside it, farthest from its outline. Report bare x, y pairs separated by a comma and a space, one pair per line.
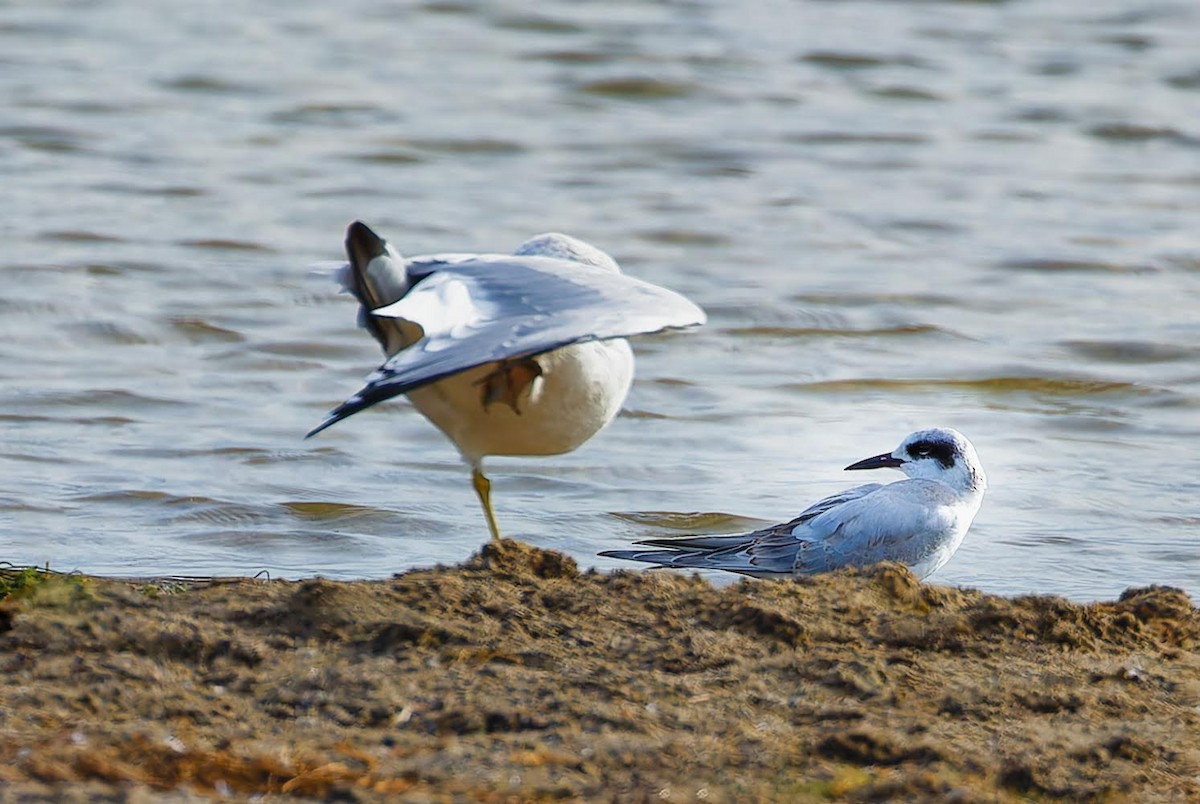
971, 214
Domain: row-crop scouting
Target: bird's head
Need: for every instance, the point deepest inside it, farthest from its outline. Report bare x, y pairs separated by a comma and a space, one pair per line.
939, 453
565, 247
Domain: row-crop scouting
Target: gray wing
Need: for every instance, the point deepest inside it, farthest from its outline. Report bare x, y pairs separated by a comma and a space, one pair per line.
770, 551
833, 501
499, 307
902, 521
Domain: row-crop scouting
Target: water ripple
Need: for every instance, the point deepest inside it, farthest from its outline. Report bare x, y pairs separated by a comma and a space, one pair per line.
692, 522
1066, 387
850, 60
80, 236
961, 219
119, 398
639, 88
1130, 351
901, 330
225, 244
197, 330
1053, 265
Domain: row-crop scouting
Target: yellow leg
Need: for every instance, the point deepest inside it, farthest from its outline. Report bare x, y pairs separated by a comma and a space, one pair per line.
483, 487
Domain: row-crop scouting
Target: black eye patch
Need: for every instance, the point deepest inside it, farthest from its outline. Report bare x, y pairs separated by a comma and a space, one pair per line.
939, 450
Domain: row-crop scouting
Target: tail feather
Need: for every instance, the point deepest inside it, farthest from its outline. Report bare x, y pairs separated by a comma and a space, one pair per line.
727, 553
701, 543
663, 558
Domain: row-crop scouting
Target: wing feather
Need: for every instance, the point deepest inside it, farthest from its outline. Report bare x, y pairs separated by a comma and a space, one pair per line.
891, 524
900, 521
495, 307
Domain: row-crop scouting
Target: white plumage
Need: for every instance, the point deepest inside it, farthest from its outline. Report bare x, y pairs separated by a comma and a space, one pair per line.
517, 354
919, 522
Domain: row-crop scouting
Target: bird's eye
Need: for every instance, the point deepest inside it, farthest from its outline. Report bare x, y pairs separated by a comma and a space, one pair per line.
941, 452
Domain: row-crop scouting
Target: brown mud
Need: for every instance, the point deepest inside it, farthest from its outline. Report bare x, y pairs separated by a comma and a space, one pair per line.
514, 677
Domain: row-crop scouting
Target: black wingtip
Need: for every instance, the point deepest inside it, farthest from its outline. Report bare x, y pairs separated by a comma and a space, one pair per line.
372, 394
327, 423
360, 232
362, 244
660, 559
347, 408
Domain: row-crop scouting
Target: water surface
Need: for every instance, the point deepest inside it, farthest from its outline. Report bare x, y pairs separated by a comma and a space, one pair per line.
980, 215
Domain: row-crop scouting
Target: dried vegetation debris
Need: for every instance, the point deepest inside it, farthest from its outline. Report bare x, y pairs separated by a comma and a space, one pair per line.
517, 675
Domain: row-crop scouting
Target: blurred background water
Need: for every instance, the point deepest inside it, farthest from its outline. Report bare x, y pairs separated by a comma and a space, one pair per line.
974, 214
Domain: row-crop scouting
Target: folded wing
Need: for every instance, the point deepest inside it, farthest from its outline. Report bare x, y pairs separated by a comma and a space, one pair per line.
809, 543
898, 522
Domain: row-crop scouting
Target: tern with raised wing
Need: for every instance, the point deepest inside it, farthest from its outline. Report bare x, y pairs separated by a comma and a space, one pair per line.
918, 522
507, 354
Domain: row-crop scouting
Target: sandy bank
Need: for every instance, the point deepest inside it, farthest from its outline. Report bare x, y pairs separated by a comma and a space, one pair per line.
514, 677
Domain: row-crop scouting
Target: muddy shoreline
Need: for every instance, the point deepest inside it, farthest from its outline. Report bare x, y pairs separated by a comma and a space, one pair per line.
514, 677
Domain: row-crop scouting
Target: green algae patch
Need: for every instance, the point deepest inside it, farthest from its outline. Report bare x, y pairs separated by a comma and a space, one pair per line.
34, 586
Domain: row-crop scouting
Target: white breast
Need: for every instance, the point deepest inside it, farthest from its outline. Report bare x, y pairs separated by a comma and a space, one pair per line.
581, 389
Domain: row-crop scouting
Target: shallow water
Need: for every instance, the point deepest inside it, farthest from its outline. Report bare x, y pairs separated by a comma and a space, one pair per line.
980, 215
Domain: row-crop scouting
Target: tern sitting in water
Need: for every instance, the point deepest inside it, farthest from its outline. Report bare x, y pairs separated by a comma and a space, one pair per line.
517, 354
918, 522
